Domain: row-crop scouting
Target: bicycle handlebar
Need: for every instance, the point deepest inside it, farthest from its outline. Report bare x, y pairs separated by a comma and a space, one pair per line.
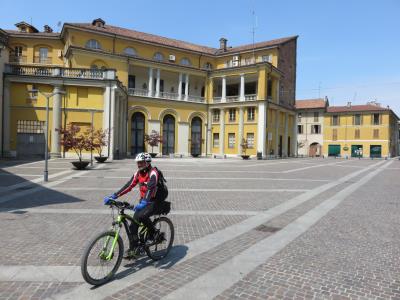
121, 205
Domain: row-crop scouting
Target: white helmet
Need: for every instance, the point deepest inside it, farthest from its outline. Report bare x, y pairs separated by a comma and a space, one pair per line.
143, 157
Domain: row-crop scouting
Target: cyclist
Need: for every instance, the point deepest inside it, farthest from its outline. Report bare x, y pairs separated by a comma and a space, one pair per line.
147, 178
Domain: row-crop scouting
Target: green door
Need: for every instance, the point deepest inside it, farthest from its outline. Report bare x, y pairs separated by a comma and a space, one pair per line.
333, 150
375, 151
356, 150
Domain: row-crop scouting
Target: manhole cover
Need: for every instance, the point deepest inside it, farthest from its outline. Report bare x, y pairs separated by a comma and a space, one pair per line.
265, 228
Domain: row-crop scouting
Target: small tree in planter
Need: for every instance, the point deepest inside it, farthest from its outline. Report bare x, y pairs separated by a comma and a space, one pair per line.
98, 142
153, 139
72, 140
245, 146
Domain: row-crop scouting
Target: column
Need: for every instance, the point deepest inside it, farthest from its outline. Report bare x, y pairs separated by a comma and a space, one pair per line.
106, 117
6, 120
278, 87
223, 98
187, 87
285, 136
158, 83
242, 85
55, 134
209, 134
294, 136
116, 124
222, 132
180, 86
150, 87
262, 128
240, 133
276, 151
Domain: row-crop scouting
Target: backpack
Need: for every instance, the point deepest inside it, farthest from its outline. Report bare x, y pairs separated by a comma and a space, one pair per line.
162, 190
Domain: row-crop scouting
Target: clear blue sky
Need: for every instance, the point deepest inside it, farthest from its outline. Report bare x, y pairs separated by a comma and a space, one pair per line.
348, 50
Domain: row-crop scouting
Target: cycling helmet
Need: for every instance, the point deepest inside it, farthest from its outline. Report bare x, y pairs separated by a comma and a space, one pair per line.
143, 157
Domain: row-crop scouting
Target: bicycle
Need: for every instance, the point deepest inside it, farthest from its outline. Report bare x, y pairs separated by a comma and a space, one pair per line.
108, 247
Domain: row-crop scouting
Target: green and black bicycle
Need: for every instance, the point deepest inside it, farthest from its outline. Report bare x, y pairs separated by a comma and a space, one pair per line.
103, 255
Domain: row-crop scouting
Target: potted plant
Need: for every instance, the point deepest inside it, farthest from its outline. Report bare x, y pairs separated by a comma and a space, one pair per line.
153, 139
99, 141
72, 140
245, 146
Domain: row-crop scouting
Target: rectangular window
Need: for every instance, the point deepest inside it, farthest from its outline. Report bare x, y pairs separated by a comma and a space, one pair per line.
269, 88
335, 120
43, 53
251, 113
18, 51
376, 133
216, 140
267, 58
315, 129
131, 81
357, 119
30, 126
216, 114
299, 117
300, 129
357, 134
232, 115
376, 119
316, 116
334, 134
231, 140
250, 140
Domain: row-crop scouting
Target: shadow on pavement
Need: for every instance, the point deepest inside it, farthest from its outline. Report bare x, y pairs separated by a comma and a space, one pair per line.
175, 255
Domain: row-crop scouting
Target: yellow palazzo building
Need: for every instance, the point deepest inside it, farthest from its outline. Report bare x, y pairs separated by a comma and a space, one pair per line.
202, 100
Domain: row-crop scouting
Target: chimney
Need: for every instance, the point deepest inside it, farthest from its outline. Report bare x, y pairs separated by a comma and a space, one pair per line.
222, 44
98, 22
47, 29
349, 104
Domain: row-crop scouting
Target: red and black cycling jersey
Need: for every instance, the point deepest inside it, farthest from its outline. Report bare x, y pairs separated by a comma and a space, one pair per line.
148, 184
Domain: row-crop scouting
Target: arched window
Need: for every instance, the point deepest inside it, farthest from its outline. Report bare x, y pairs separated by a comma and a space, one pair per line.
130, 51
185, 62
207, 66
93, 44
168, 146
158, 56
94, 67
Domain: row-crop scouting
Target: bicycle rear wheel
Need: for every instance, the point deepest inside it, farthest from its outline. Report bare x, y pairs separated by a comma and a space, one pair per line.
99, 263
164, 239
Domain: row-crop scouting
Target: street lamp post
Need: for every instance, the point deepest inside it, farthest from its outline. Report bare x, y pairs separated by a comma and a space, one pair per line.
46, 135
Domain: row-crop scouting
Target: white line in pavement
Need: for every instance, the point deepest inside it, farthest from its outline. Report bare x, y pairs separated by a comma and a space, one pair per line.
88, 211
214, 282
31, 182
183, 190
48, 185
220, 178
41, 167
205, 243
19, 175
310, 167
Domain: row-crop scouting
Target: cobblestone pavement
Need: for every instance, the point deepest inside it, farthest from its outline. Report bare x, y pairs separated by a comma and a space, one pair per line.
291, 229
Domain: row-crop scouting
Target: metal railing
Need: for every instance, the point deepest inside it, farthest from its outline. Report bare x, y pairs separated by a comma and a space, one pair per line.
59, 72
17, 59
164, 95
42, 60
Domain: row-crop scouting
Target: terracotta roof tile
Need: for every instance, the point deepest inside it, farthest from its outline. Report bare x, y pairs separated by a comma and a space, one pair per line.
310, 103
173, 42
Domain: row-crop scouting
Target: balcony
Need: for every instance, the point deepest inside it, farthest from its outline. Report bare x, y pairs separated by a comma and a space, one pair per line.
164, 95
59, 72
228, 99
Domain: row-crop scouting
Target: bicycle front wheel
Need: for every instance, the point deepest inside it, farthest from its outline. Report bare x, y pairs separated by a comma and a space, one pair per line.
102, 258
164, 239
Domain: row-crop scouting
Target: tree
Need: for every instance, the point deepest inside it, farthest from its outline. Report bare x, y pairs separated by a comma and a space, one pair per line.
245, 145
71, 139
153, 139
99, 140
